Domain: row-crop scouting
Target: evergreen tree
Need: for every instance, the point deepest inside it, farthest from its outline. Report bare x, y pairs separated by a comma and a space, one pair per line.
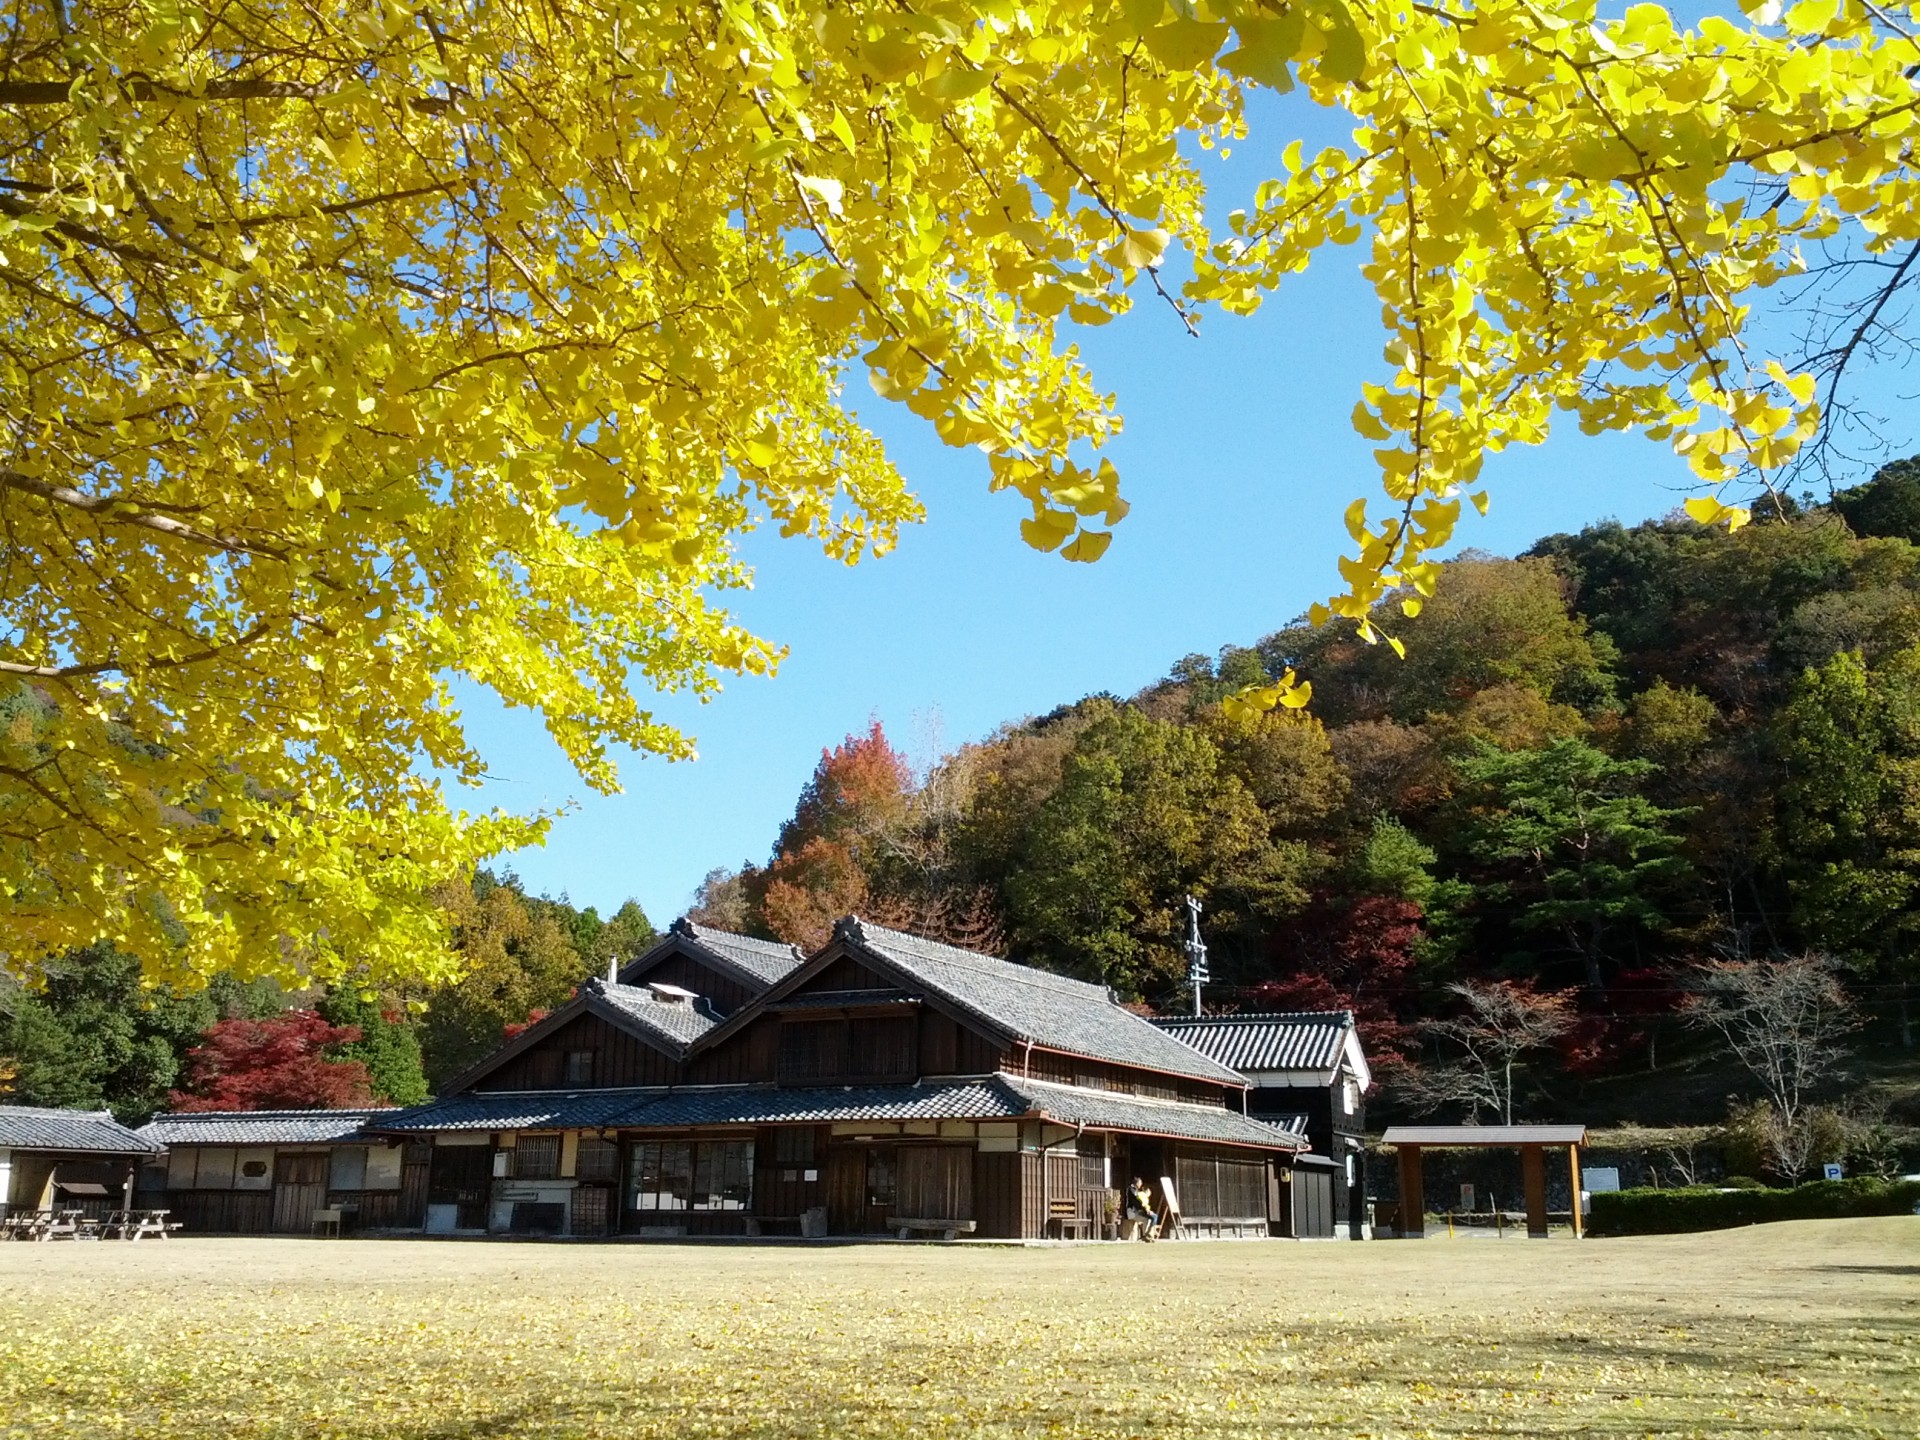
388, 1045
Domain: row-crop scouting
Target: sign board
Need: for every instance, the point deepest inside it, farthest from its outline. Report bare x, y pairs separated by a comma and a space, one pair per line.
1834, 1172
1466, 1197
1173, 1200
1600, 1179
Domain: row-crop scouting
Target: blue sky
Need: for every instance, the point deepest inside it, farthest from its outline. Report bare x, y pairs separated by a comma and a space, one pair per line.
1238, 460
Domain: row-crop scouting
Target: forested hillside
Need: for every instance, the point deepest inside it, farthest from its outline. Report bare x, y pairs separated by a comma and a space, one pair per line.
1621, 754
1600, 764
96, 1037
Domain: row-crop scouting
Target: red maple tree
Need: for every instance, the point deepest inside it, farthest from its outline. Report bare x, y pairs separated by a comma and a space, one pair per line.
277, 1063
859, 790
1357, 956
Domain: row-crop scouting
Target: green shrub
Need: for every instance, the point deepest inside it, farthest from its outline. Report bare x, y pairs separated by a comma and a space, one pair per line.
1702, 1207
1743, 1182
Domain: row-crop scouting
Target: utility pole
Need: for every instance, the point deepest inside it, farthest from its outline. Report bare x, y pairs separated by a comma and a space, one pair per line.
1196, 949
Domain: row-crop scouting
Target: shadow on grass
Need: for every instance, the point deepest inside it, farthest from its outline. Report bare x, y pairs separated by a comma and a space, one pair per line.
1866, 1269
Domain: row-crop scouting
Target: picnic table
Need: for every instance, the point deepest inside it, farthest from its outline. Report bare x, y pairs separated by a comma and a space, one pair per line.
45, 1225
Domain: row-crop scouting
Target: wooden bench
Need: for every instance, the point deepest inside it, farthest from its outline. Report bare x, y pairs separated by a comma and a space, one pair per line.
1064, 1218
905, 1227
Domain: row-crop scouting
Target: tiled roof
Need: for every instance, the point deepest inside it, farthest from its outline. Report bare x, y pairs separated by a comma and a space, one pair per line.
260, 1127
1049, 1010
520, 1110
1307, 1040
679, 1023
757, 963
994, 1097
1073, 1105
768, 959
33, 1127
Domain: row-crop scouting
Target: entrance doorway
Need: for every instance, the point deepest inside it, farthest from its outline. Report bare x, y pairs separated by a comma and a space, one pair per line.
299, 1190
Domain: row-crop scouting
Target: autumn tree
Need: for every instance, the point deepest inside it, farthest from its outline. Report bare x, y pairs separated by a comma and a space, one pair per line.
857, 796
515, 957
356, 351
1145, 812
1784, 1021
277, 1063
1486, 1047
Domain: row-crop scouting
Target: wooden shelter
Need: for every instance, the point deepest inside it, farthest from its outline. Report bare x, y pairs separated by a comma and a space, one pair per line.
1532, 1141
78, 1159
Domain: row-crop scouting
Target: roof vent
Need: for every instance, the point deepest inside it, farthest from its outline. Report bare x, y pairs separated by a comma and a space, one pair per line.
667, 994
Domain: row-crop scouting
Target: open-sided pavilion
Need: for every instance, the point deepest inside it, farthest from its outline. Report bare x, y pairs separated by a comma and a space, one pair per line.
1532, 1141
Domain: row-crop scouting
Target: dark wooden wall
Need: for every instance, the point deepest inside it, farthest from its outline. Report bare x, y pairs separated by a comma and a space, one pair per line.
744, 1058
727, 993
1100, 1075
620, 1058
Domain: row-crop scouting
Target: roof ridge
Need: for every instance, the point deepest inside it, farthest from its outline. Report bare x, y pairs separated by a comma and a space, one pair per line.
1242, 1016
1022, 973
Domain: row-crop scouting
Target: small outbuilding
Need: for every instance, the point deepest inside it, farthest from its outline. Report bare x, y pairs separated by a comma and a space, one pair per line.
53, 1159
1306, 1072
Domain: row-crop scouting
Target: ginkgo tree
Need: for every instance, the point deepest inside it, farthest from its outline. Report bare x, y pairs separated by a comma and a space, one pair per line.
352, 349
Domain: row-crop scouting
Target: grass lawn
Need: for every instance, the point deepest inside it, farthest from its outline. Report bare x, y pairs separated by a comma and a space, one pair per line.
1806, 1329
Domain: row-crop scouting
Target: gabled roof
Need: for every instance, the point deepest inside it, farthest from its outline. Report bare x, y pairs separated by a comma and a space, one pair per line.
755, 963
680, 1021
1311, 1041
1029, 1005
34, 1127
260, 1127
667, 1027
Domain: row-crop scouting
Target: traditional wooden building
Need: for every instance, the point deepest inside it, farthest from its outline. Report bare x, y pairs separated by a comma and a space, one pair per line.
271, 1172
1307, 1073
884, 1085
54, 1159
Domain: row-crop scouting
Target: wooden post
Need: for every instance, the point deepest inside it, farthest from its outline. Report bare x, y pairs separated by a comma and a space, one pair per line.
1413, 1199
1533, 1170
1573, 1165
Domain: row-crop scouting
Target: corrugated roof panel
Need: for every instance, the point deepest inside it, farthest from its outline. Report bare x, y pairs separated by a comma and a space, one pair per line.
36, 1127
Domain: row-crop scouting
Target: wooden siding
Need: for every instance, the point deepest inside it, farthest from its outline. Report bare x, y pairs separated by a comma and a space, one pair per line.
846, 973
222, 1212
619, 1058
744, 1058
846, 1050
1220, 1185
1122, 1079
690, 973
997, 1184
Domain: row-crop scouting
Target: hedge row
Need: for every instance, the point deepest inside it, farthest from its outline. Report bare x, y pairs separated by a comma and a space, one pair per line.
1670, 1212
